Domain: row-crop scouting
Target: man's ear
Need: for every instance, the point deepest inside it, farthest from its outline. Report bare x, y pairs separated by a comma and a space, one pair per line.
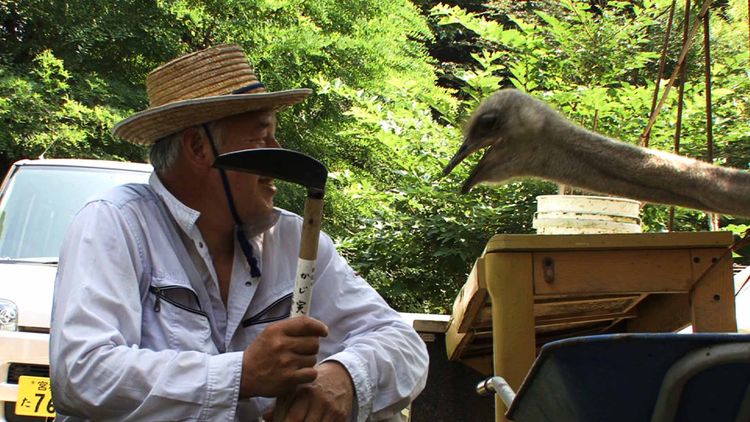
195, 147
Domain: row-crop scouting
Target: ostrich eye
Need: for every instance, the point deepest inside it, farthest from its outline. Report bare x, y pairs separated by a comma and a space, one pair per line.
485, 123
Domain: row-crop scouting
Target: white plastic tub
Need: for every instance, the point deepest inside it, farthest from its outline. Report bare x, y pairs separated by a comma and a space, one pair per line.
581, 214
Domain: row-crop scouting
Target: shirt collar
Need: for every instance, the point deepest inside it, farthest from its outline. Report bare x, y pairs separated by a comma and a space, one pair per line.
187, 217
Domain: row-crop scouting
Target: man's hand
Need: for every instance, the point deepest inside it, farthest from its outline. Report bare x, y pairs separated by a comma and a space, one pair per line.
282, 357
327, 399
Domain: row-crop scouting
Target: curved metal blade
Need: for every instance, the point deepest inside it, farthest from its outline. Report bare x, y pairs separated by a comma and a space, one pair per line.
279, 163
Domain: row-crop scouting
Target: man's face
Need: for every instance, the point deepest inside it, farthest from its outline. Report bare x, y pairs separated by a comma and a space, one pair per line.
253, 195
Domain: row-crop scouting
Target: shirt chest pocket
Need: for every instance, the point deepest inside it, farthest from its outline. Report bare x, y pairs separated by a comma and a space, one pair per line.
275, 311
174, 318
261, 315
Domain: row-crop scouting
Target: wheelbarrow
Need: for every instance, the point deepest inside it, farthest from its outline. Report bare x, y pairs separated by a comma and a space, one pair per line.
632, 378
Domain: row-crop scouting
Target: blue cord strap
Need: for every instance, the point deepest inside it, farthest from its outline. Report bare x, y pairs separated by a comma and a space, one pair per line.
247, 88
247, 249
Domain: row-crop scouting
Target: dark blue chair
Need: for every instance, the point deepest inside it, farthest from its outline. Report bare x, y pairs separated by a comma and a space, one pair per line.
638, 377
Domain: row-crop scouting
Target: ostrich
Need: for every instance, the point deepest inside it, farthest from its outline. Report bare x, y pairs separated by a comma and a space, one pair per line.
526, 138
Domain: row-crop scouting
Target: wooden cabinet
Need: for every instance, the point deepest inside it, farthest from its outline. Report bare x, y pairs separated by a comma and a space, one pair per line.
526, 290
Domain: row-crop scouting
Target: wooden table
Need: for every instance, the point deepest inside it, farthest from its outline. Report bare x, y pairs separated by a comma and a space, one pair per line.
526, 290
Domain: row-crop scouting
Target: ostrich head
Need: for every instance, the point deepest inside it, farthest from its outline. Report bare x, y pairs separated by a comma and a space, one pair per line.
525, 137
511, 124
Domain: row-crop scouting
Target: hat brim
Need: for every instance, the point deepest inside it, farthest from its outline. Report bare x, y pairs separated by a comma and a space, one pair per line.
150, 125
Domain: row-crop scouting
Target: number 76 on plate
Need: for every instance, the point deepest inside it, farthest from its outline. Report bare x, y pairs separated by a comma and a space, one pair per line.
34, 397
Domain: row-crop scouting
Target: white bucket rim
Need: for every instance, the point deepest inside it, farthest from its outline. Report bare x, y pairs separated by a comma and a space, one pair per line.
562, 221
552, 226
543, 214
594, 197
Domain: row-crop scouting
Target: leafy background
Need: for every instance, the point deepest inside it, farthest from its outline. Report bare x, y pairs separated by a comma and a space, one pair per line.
394, 81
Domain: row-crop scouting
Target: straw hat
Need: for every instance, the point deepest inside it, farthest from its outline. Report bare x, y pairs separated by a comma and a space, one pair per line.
201, 87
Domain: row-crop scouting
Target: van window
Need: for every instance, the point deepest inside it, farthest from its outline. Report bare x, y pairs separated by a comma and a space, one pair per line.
40, 201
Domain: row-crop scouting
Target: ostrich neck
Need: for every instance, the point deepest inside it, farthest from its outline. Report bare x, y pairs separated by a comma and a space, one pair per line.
591, 161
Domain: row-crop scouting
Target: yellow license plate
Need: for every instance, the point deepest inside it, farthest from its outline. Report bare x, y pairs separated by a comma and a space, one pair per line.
34, 397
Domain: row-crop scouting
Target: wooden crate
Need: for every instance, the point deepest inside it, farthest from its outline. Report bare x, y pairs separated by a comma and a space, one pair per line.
592, 284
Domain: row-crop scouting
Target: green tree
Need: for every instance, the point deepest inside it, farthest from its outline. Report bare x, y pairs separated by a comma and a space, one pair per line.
597, 66
68, 72
72, 69
385, 117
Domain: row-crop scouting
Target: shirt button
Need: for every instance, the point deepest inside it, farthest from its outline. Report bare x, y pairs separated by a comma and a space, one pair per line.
200, 245
248, 283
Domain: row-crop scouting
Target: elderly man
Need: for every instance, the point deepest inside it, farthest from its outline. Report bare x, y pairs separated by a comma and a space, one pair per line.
172, 299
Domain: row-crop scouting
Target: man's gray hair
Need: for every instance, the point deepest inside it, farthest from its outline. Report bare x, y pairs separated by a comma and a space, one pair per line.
165, 151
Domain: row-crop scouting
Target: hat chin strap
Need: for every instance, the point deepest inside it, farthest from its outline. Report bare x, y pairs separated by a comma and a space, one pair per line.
247, 248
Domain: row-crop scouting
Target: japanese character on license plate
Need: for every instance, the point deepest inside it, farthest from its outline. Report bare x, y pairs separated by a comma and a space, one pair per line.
34, 397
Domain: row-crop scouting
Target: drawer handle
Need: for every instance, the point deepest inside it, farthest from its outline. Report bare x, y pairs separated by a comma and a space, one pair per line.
548, 264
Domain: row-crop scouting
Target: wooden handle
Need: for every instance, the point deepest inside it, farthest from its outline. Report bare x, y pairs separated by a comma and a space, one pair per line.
308, 247
308, 253
303, 285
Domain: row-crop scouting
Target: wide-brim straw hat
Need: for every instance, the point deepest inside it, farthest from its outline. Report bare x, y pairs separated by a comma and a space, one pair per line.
198, 88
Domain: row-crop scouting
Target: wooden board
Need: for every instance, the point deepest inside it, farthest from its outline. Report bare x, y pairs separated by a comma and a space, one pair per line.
554, 319
597, 284
471, 299
615, 271
534, 242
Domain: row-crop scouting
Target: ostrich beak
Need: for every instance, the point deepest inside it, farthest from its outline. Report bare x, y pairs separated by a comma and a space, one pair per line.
462, 153
468, 184
480, 171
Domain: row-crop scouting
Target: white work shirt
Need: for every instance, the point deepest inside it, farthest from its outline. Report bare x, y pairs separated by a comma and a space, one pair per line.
139, 330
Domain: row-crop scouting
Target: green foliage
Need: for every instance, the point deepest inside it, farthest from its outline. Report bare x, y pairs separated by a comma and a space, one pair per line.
597, 65
378, 119
69, 70
416, 237
40, 116
740, 231
72, 69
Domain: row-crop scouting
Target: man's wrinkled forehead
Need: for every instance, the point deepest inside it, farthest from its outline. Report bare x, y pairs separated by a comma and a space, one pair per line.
256, 119
248, 123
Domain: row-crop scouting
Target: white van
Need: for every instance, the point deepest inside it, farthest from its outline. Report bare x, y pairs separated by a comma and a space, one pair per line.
38, 199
